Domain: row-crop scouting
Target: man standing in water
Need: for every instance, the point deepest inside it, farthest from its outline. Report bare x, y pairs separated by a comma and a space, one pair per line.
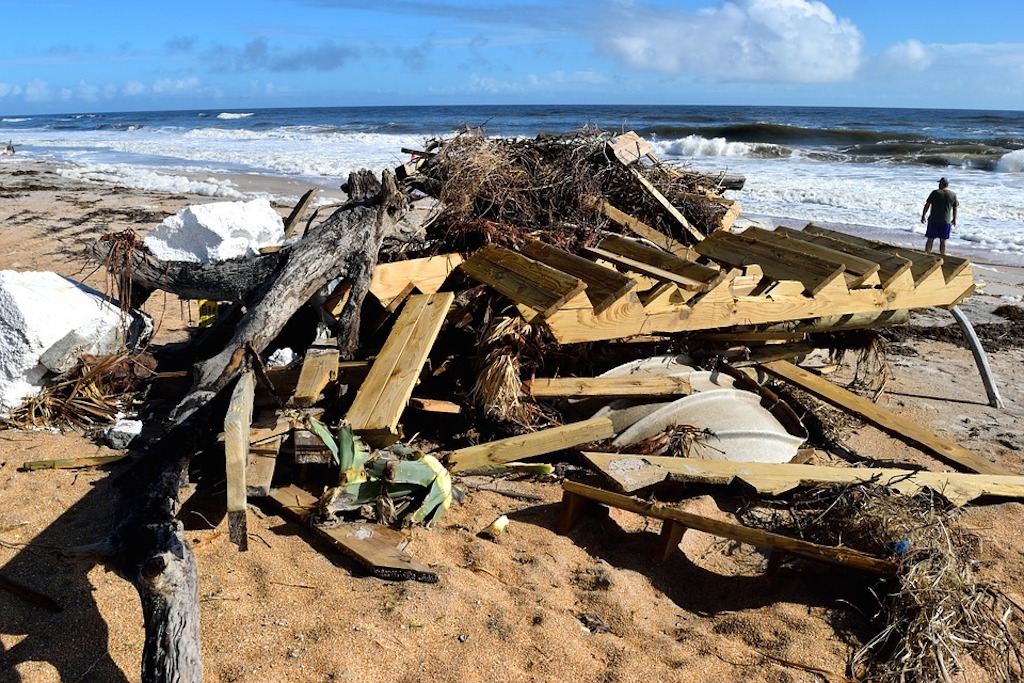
942, 219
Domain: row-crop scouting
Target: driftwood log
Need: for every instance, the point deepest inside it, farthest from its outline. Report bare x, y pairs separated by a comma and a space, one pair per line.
148, 546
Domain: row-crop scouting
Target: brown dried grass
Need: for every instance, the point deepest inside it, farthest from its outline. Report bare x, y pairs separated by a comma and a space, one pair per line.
935, 616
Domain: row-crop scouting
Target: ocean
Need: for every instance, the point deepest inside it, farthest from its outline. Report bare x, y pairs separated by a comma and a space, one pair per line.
866, 168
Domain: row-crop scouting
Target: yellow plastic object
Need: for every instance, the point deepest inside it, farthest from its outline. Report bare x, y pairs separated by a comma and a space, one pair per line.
207, 312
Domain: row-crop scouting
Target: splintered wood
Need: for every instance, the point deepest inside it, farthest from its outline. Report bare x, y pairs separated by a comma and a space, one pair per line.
752, 278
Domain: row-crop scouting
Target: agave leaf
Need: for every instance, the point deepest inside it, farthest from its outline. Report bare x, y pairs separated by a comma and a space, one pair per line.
439, 497
324, 434
349, 498
409, 472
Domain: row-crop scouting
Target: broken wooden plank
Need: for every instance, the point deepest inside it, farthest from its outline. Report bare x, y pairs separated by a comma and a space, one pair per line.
309, 449
70, 463
377, 548
236, 454
524, 280
607, 387
629, 147
291, 224
434, 405
633, 472
266, 436
646, 269
529, 445
835, 555
319, 368
379, 402
424, 275
889, 422
605, 286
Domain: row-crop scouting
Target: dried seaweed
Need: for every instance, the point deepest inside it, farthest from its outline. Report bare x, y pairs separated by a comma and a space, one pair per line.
935, 617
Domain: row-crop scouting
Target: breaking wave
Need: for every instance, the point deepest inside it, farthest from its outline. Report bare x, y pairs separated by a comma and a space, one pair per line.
233, 115
1012, 162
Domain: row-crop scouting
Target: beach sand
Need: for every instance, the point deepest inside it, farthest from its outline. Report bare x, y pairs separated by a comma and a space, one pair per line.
505, 610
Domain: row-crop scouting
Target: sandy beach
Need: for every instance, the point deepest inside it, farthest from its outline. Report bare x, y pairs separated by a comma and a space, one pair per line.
531, 605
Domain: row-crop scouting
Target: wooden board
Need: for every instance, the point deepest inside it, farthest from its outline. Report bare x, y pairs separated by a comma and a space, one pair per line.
638, 227
756, 537
775, 262
623, 246
922, 264
237, 422
435, 405
425, 275
890, 266
608, 387
605, 286
379, 549
665, 203
319, 368
380, 400
291, 224
629, 147
529, 445
633, 472
860, 267
889, 422
522, 279
266, 436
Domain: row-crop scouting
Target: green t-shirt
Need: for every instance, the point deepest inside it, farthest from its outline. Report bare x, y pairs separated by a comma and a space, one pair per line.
942, 203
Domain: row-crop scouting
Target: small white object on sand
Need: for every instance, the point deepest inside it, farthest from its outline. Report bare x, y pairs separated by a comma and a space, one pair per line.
217, 232
48, 322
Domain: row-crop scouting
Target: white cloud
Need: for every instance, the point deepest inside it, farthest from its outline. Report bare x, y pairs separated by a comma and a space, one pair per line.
133, 88
169, 85
912, 55
88, 91
38, 91
799, 41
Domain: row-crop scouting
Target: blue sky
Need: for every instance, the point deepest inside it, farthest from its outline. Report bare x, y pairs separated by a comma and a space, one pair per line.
71, 56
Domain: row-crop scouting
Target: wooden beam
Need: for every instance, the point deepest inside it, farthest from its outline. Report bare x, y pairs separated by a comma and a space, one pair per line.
70, 463
380, 400
922, 264
776, 263
633, 472
835, 555
425, 275
607, 387
377, 548
647, 269
605, 286
434, 405
665, 203
890, 266
523, 279
266, 436
860, 267
529, 445
237, 423
889, 422
319, 368
632, 249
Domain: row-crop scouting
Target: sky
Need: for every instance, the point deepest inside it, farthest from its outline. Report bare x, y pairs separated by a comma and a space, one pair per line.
111, 55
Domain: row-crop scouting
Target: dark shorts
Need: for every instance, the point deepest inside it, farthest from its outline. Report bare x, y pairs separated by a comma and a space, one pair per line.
940, 230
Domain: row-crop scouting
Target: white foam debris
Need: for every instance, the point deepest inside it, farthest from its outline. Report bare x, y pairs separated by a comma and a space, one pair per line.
217, 232
47, 322
121, 434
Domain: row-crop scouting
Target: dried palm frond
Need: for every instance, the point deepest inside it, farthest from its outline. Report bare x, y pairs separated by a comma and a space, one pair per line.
499, 384
120, 262
90, 394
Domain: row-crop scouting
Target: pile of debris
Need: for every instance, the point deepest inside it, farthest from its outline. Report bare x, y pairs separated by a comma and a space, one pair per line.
568, 297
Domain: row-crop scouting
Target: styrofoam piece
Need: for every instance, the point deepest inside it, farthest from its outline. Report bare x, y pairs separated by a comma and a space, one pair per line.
217, 231
47, 322
743, 430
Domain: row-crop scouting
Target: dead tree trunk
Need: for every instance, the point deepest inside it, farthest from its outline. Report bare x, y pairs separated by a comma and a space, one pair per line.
148, 546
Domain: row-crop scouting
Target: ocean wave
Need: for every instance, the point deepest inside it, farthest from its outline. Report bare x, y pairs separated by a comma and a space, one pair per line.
233, 115
784, 134
15, 120
697, 146
1011, 163
138, 178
